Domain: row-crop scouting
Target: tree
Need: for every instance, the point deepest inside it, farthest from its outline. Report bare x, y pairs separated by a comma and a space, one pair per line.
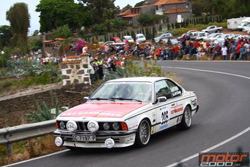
36, 44
140, 3
148, 35
144, 19
100, 29
19, 19
100, 9
5, 36
35, 33
157, 17
160, 28
54, 13
61, 32
126, 7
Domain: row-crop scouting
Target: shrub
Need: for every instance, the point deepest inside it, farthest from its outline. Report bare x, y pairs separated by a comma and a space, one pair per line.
45, 113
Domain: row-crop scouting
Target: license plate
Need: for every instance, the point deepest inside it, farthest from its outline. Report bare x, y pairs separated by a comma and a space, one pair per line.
84, 137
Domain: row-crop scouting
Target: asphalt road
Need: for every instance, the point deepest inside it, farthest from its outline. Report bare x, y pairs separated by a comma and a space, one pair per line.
224, 100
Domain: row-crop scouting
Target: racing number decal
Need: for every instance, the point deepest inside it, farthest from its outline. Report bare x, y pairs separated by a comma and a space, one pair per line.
164, 117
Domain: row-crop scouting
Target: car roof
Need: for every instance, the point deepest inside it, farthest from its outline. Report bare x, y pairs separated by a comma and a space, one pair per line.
127, 36
140, 79
139, 34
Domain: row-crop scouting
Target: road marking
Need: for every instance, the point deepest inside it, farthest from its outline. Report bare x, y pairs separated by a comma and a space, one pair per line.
217, 72
28, 160
211, 148
223, 142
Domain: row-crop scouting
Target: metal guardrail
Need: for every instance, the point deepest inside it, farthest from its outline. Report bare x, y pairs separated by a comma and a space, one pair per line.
10, 135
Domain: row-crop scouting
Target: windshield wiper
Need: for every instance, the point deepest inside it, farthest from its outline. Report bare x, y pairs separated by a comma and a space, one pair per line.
120, 98
98, 98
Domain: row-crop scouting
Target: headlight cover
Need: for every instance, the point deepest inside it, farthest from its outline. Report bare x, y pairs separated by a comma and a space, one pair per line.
93, 126
62, 125
71, 126
106, 126
115, 126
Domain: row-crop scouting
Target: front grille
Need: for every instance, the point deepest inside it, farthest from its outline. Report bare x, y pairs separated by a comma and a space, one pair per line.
82, 126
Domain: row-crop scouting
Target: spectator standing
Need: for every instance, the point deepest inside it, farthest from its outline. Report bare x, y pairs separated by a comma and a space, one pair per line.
224, 52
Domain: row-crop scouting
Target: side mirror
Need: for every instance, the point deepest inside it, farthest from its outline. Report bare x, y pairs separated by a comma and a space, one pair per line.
86, 98
162, 99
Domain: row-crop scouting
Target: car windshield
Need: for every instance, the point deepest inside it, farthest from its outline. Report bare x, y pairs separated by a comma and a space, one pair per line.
118, 40
125, 91
140, 36
129, 38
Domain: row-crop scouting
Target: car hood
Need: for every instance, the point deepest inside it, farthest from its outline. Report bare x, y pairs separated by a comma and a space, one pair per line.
102, 110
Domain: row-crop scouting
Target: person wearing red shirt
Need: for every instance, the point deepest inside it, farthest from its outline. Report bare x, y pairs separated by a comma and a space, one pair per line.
176, 51
158, 53
238, 51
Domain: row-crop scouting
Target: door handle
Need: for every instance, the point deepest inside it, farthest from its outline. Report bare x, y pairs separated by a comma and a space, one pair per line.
173, 104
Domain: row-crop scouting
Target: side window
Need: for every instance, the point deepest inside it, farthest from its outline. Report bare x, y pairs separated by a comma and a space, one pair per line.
162, 89
175, 90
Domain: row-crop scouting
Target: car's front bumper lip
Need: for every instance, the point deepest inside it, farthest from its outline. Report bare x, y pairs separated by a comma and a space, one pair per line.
122, 139
98, 134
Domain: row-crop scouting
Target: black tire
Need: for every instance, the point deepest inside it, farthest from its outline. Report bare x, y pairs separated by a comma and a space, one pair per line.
218, 31
186, 121
143, 133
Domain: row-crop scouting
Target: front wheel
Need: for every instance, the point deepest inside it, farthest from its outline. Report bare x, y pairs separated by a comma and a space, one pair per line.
186, 121
143, 133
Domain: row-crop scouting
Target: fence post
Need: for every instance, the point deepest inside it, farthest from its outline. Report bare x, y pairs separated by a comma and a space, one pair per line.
9, 149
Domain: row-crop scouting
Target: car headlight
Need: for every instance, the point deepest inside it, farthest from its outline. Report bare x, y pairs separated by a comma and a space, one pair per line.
115, 126
106, 126
71, 126
62, 125
93, 126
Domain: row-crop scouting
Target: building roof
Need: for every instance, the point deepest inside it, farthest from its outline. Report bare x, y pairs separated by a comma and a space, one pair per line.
47, 41
168, 2
131, 15
139, 7
127, 12
176, 10
60, 39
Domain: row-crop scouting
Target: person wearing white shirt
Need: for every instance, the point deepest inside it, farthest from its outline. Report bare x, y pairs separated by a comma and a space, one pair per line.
84, 49
224, 52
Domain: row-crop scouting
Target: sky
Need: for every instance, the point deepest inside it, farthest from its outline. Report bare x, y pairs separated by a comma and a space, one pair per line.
34, 16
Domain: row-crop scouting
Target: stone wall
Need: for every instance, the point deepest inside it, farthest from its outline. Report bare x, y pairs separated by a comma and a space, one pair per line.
76, 70
12, 111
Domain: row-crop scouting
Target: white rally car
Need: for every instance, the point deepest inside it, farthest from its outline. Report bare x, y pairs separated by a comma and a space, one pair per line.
126, 111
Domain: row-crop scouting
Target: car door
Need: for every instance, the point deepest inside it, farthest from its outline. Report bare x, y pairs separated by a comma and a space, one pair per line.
177, 104
162, 109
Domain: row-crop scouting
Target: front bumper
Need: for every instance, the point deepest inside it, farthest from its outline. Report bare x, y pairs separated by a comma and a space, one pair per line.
121, 139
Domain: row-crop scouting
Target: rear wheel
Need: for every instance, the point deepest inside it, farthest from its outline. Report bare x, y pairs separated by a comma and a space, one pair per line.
143, 133
186, 121
218, 31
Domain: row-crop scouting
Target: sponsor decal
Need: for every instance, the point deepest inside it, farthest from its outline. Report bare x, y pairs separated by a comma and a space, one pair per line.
224, 159
153, 129
172, 112
178, 120
163, 126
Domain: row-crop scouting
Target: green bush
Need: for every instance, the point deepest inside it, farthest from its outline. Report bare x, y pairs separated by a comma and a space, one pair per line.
45, 113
